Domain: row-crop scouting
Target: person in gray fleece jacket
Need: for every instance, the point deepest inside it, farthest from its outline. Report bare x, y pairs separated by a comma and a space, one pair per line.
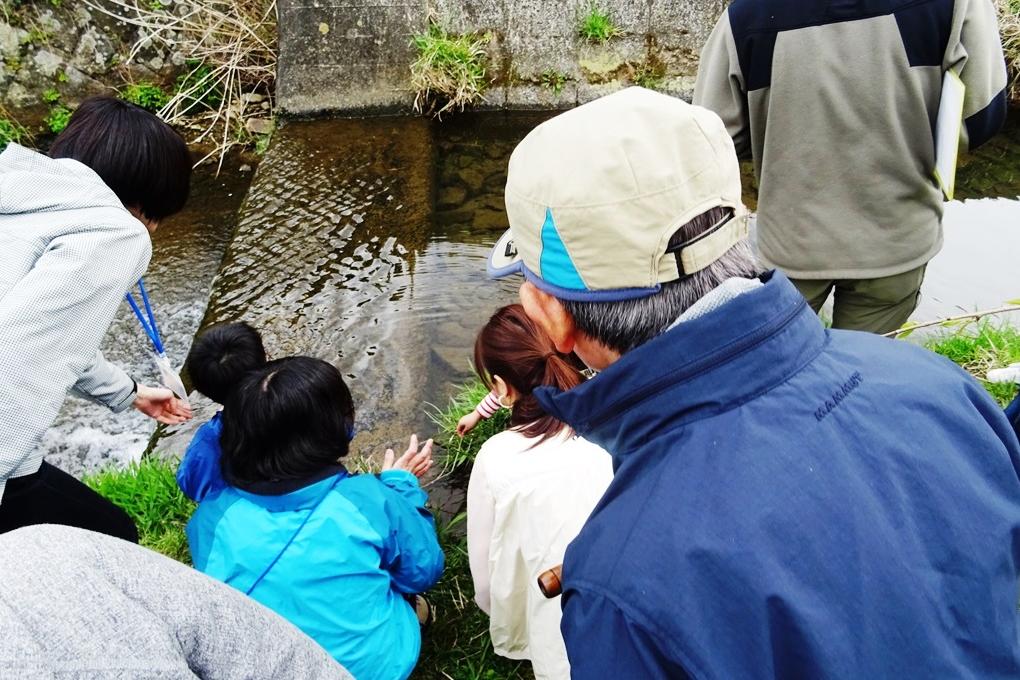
74, 238
77, 604
836, 101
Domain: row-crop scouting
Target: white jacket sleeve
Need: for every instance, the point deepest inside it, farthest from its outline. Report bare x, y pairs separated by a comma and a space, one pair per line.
107, 384
481, 514
52, 322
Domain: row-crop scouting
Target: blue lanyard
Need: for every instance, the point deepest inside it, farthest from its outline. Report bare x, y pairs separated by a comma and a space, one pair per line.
148, 325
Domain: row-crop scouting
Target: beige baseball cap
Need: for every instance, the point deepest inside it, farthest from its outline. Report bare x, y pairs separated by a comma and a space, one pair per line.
594, 195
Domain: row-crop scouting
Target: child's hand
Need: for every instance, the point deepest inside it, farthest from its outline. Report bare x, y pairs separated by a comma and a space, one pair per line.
414, 461
467, 423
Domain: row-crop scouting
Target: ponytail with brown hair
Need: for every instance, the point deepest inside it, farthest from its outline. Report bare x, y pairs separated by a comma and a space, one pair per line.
513, 347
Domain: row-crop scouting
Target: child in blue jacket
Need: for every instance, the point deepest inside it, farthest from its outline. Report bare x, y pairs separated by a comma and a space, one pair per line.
337, 554
219, 359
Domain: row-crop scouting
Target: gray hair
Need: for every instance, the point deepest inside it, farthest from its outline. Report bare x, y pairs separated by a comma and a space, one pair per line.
623, 326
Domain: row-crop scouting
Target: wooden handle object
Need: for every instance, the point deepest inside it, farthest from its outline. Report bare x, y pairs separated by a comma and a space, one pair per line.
550, 582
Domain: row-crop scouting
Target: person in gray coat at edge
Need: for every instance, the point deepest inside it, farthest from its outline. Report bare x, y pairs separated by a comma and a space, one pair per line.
79, 605
74, 238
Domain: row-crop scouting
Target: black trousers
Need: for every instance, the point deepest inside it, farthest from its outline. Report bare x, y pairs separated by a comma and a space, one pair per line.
51, 496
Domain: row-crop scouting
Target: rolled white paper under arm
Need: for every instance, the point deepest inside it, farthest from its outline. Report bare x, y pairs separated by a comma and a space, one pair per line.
1005, 375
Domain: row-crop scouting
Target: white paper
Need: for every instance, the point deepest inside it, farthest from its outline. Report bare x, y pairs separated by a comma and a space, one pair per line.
170, 379
1010, 374
947, 132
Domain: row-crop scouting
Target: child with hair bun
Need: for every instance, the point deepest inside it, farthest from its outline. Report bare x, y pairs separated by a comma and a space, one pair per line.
340, 555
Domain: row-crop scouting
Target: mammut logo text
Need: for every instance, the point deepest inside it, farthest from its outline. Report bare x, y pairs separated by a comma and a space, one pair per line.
838, 396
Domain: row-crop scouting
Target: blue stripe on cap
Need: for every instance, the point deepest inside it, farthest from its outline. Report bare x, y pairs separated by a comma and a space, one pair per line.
555, 265
609, 295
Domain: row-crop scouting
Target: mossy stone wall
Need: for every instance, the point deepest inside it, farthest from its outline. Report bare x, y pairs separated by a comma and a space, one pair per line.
349, 56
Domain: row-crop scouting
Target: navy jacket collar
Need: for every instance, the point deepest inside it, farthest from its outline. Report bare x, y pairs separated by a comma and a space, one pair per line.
700, 368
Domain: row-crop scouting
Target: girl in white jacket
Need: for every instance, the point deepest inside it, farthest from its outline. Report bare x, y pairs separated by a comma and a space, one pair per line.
531, 489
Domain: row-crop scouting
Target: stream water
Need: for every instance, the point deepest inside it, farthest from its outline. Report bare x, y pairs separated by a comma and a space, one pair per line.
363, 242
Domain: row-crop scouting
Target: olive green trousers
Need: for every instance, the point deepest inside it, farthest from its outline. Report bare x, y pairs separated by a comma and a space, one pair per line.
876, 305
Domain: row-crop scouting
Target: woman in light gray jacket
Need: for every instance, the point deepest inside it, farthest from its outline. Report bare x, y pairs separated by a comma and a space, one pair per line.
74, 238
76, 605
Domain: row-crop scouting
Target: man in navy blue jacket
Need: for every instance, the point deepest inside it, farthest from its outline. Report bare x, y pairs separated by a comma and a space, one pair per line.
788, 501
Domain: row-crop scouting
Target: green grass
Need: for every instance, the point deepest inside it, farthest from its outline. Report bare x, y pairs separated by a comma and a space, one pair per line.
35, 36
596, 24
149, 96
449, 72
461, 451
59, 115
200, 87
980, 349
262, 143
147, 491
457, 646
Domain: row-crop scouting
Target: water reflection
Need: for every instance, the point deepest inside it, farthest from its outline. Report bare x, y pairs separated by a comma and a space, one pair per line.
977, 268
340, 254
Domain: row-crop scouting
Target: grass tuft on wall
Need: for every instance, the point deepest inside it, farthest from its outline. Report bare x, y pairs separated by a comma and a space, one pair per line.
449, 73
596, 24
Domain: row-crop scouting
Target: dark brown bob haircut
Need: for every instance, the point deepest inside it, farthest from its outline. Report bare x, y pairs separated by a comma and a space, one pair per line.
141, 158
516, 349
289, 420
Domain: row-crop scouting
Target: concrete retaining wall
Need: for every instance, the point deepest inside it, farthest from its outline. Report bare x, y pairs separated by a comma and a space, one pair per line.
350, 56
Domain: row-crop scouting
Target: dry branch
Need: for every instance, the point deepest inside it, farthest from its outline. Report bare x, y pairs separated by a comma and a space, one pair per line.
233, 49
973, 316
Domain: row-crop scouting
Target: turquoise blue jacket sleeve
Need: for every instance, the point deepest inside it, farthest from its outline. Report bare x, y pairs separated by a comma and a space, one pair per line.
411, 552
199, 474
396, 510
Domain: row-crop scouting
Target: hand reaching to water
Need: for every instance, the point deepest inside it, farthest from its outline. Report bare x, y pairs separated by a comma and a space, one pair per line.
414, 461
161, 404
468, 423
